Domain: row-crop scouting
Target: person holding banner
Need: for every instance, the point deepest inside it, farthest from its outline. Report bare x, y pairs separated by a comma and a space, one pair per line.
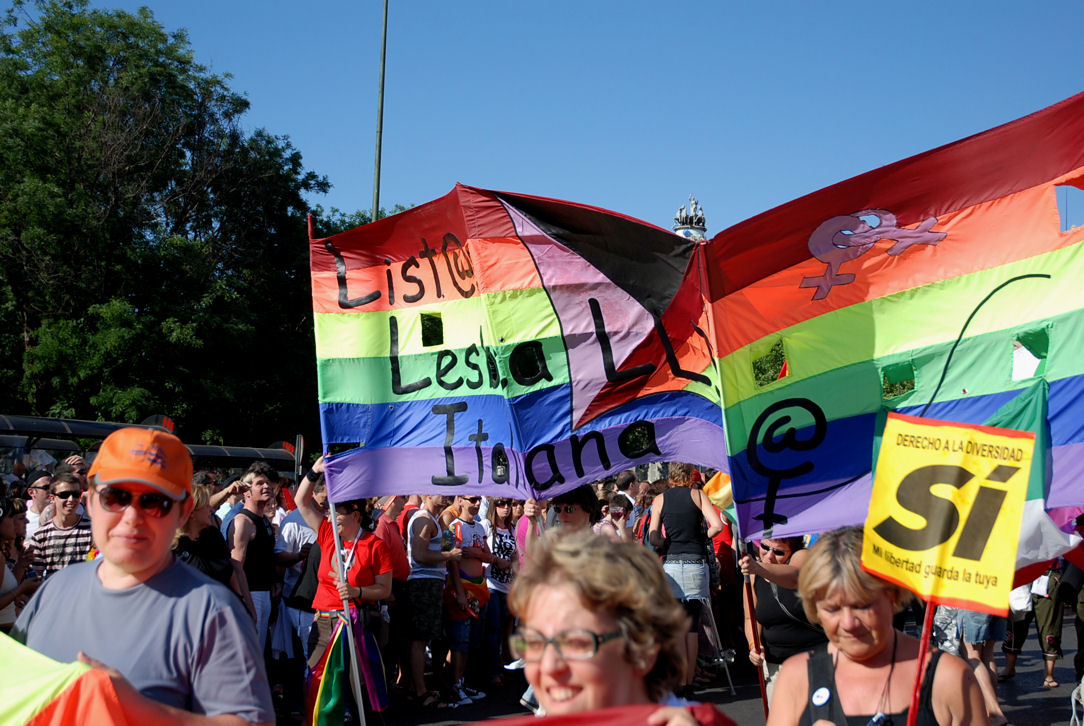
867, 671
367, 563
783, 627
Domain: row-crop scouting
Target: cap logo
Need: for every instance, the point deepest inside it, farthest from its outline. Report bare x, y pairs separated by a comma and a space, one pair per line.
152, 454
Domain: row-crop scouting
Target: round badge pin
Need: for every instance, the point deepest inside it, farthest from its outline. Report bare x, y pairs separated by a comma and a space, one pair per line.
821, 696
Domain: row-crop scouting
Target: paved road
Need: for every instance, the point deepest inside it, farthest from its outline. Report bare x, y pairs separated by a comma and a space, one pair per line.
1024, 700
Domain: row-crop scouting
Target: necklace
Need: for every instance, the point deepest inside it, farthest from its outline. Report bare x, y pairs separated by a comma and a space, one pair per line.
885, 705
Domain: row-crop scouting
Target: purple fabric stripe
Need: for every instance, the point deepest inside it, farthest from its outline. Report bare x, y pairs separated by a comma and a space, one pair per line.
816, 511
376, 472
1067, 487
849, 505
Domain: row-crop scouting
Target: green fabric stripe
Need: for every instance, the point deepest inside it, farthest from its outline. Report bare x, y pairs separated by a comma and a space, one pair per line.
509, 316
369, 380
330, 702
31, 680
981, 365
916, 318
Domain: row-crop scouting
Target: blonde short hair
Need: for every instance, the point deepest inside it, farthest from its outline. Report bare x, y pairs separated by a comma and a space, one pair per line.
835, 563
622, 579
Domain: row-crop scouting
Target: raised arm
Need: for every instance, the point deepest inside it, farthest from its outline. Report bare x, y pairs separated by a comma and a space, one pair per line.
782, 575
310, 510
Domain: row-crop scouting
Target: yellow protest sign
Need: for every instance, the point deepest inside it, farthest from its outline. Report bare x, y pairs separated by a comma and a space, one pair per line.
944, 517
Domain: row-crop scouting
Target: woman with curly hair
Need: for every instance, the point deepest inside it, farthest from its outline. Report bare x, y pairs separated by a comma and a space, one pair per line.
599, 627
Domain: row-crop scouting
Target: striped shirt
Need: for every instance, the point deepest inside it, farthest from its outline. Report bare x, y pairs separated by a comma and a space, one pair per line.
56, 547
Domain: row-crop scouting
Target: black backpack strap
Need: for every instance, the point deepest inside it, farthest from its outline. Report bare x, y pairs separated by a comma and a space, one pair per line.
824, 700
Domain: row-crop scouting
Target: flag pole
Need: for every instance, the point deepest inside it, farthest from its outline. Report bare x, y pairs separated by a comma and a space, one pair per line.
348, 625
923, 647
380, 116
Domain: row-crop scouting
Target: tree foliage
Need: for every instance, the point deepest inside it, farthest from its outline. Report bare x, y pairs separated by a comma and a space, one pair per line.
153, 256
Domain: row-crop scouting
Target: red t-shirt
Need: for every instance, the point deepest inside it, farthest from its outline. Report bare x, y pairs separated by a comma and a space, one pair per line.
370, 558
388, 531
404, 518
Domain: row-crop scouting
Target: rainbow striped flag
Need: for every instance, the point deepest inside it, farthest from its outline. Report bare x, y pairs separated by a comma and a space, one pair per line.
329, 685
39, 691
509, 345
504, 344
942, 285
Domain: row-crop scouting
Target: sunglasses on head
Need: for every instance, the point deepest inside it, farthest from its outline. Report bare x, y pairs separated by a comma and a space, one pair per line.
153, 504
67, 495
566, 508
774, 550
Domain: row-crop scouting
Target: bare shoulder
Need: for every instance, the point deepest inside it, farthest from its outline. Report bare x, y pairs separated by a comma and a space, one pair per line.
952, 668
242, 526
956, 695
791, 691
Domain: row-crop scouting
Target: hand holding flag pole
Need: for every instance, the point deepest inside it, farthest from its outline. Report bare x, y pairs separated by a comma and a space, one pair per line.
347, 626
750, 605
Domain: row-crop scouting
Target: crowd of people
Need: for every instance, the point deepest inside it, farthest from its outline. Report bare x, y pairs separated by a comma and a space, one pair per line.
447, 599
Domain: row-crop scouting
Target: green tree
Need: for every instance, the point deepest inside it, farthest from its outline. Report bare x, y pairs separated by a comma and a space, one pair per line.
153, 256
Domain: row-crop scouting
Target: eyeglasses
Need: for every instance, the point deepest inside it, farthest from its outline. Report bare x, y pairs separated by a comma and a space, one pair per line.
774, 550
472, 500
503, 503
570, 644
566, 508
67, 495
153, 504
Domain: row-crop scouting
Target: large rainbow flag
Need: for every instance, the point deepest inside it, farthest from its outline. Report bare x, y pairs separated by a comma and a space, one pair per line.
922, 287
504, 344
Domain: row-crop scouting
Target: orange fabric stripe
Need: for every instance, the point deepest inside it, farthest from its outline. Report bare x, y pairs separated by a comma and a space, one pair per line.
90, 699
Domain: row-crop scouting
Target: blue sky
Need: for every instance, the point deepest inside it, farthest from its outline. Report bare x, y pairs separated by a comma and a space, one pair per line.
629, 105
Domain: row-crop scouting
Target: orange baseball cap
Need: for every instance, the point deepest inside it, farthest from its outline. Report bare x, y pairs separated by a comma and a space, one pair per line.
155, 458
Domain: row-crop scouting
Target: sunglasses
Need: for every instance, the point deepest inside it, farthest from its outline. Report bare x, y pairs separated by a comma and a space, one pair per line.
67, 495
472, 500
503, 503
774, 550
153, 504
566, 508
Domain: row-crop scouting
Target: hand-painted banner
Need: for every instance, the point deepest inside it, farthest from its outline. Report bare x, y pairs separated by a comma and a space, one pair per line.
500, 343
945, 514
503, 344
920, 287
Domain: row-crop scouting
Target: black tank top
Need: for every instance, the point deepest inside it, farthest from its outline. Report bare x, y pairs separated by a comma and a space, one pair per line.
787, 631
260, 555
822, 675
684, 523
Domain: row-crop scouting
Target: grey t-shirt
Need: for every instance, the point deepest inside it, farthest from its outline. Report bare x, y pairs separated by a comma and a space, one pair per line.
181, 638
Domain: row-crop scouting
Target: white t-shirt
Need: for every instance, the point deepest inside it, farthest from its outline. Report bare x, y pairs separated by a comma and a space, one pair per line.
33, 521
